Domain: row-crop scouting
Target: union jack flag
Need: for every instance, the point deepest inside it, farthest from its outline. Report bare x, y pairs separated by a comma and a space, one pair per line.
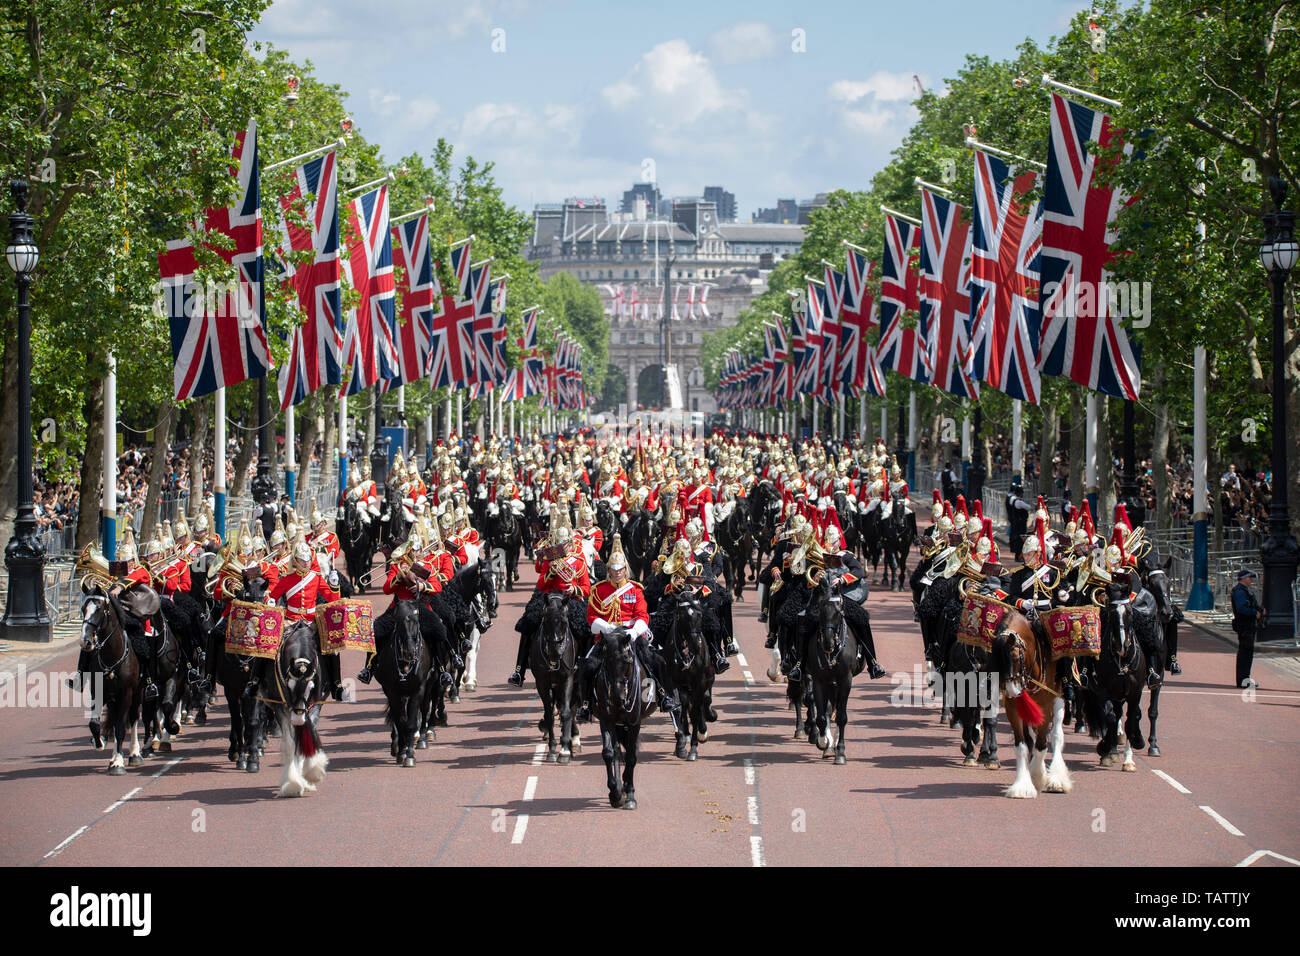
482, 294
901, 349
704, 302
783, 383
460, 268
316, 345
1007, 240
826, 297
212, 351
420, 290
945, 292
770, 334
799, 352
368, 341
1080, 340
857, 315
451, 355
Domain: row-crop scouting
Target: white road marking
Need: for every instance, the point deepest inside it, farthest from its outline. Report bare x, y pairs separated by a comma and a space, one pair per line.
521, 821
740, 659
752, 802
756, 851
749, 772
1169, 780
59, 849
1222, 822
113, 806
1229, 693
1260, 854
539, 754
749, 678
167, 766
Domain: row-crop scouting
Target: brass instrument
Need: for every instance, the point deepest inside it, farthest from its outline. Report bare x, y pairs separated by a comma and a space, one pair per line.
1098, 596
92, 566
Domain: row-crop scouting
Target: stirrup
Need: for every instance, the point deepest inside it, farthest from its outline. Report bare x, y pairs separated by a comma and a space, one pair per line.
517, 678
794, 673
732, 647
762, 617
364, 675
150, 691
770, 642
721, 664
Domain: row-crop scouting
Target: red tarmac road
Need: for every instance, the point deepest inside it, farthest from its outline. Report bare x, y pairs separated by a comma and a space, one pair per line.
481, 795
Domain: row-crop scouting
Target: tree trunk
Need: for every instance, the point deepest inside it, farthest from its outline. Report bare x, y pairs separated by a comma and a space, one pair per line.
1078, 444
310, 410
162, 437
328, 454
243, 458
1160, 452
1046, 450
198, 439
1105, 465
92, 464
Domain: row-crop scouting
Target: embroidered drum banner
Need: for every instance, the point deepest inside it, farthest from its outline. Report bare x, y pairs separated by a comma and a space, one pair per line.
254, 630
1074, 631
980, 617
345, 625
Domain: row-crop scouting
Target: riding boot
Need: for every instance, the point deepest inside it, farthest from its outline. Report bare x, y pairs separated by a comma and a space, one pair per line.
146, 675
669, 699
586, 671
521, 661
762, 604
365, 674
333, 668
720, 662
1156, 670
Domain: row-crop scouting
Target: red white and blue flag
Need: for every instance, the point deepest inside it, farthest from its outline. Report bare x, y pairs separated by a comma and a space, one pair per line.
1006, 244
945, 292
316, 344
460, 268
481, 295
451, 353
1080, 336
901, 349
418, 282
212, 351
857, 316
369, 340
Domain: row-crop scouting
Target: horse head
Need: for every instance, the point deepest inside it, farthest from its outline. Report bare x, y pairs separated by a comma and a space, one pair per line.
297, 668
688, 626
619, 669
830, 615
96, 619
408, 643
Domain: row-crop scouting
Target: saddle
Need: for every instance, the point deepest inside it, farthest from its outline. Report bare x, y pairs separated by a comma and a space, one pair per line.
140, 600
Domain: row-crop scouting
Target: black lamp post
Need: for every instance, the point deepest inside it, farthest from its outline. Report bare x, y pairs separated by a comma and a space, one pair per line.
975, 473
1129, 495
1279, 554
25, 617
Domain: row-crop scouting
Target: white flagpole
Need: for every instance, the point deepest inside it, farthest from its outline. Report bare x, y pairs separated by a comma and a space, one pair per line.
1018, 442
218, 466
109, 503
460, 415
290, 473
343, 444
1090, 455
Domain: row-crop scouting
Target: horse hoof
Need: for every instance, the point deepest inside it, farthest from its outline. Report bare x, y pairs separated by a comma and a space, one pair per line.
693, 756
993, 764
392, 750
201, 718
241, 763
232, 754
704, 737
629, 803
551, 756
165, 746
1108, 760
116, 770
615, 799
253, 765
189, 719
454, 699
840, 760
134, 760
823, 743
1129, 767
798, 734
969, 762
421, 744
1153, 751
576, 747
430, 736
471, 685
408, 761
564, 758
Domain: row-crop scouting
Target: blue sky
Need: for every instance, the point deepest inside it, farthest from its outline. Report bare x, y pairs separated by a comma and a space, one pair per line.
713, 93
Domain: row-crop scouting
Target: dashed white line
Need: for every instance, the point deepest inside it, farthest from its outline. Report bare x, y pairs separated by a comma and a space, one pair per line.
1218, 818
1260, 854
539, 754
756, 851
59, 849
740, 659
167, 766
113, 806
749, 678
1170, 780
752, 803
1229, 693
521, 821
749, 772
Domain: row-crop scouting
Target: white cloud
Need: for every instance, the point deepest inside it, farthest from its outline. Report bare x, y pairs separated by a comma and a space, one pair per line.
676, 80
870, 121
743, 42
882, 85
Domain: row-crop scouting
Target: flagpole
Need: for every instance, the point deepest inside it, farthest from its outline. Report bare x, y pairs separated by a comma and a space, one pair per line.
965, 447
1201, 597
899, 215
1018, 443
390, 178
973, 143
920, 183
218, 466
108, 513
460, 415
1049, 83
290, 474
343, 444
428, 438
339, 143
1090, 455
446, 431
911, 437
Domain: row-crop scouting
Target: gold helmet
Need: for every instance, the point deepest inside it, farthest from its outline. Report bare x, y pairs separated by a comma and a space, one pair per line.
182, 530
303, 556
153, 548
126, 550
617, 560
585, 515
431, 535
447, 520
560, 532
244, 542
259, 543
202, 523
278, 536
679, 561
169, 542
317, 519
291, 527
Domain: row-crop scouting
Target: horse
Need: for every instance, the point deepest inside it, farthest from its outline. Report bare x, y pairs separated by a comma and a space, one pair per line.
764, 514
607, 522
690, 658
872, 532
896, 534
477, 588
1035, 706
642, 537
848, 516
554, 657
831, 661
402, 668
247, 728
623, 698
505, 531
355, 542
293, 694
737, 541
1113, 682
106, 645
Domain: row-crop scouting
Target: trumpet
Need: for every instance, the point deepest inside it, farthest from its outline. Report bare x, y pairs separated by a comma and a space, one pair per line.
92, 566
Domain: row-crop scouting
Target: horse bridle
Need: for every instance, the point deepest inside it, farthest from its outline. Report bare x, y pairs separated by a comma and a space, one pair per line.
1125, 654
96, 647
684, 652
835, 603
554, 664
405, 665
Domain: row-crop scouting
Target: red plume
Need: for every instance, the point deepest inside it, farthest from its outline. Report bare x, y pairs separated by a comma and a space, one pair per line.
937, 499
1031, 715
979, 511
961, 506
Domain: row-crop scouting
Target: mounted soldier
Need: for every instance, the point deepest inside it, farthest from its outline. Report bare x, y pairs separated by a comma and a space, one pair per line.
561, 567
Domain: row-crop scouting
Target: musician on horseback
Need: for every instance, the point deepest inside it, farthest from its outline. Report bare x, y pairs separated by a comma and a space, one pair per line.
561, 567
299, 588
617, 602
408, 580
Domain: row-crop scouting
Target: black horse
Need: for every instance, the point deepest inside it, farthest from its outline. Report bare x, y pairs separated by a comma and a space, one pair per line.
402, 667
107, 650
607, 522
623, 699
1113, 682
691, 660
505, 531
737, 542
832, 661
356, 540
553, 657
764, 516
292, 687
641, 537
897, 532
247, 722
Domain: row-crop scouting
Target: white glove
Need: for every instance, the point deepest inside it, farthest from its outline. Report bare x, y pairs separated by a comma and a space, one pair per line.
333, 578
601, 626
516, 506
338, 516
482, 491
373, 509
365, 518
639, 628
622, 519
492, 509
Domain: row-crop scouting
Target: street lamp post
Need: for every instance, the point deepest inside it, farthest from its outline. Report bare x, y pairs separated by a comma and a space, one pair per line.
25, 617
1279, 554
1129, 493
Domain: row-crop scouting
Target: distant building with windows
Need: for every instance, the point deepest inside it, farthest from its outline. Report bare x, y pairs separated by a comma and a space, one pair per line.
628, 254
723, 200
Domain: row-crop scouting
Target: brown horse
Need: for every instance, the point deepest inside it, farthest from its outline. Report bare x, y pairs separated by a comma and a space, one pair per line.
1031, 692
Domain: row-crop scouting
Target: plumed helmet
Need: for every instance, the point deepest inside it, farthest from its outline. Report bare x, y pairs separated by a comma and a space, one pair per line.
126, 550
182, 530
617, 559
302, 555
316, 517
169, 542
694, 528
153, 548
202, 524
278, 536
259, 542
936, 508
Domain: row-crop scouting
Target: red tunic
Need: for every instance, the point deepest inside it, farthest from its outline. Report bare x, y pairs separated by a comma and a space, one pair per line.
326, 541
619, 605
299, 592
176, 577
559, 575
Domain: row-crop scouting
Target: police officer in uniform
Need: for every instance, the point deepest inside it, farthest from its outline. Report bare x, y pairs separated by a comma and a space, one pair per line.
1247, 616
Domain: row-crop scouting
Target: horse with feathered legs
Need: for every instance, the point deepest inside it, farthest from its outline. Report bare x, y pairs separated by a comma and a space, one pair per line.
897, 531
680, 625
607, 522
736, 542
554, 657
402, 666
475, 586
1035, 706
764, 514
622, 699
291, 688
1113, 682
641, 534
848, 516
356, 541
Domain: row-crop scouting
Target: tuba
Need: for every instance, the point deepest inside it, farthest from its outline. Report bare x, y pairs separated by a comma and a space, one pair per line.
92, 567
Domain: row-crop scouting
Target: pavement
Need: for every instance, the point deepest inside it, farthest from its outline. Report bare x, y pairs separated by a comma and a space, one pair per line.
1221, 795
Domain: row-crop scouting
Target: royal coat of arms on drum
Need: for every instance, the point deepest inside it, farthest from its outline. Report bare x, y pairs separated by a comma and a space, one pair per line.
980, 617
254, 630
345, 625
1074, 631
